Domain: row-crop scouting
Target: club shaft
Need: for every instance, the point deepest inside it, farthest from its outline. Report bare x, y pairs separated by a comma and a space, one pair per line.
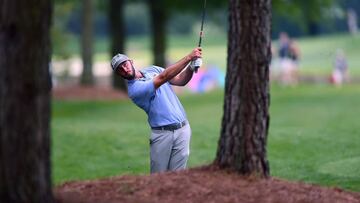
202, 23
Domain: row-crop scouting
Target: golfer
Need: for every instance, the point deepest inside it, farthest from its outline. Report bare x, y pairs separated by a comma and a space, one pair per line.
151, 90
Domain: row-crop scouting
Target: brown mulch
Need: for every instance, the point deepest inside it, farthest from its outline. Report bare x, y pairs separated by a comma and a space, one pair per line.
206, 184
87, 93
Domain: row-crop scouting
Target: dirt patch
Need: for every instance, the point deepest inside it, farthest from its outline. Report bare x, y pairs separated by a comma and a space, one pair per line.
87, 93
206, 184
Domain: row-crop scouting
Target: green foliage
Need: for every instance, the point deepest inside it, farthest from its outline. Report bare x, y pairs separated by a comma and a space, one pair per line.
60, 42
303, 13
196, 6
61, 38
313, 135
137, 19
312, 9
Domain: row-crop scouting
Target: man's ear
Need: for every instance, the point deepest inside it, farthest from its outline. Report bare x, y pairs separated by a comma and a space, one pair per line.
118, 70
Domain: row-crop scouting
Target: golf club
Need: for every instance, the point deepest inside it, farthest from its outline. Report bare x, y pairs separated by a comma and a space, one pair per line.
197, 62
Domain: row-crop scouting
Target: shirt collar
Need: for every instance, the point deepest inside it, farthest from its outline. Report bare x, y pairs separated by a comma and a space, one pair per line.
146, 76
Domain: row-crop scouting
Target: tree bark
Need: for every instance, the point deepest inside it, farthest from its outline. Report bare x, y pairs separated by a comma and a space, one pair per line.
25, 86
242, 144
117, 33
87, 77
158, 20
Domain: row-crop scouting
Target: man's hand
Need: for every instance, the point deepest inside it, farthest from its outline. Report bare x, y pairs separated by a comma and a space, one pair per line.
196, 61
195, 53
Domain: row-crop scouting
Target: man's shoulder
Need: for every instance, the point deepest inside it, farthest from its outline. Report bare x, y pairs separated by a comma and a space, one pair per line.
153, 69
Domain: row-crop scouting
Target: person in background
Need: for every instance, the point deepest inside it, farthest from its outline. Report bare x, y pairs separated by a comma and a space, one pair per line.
295, 58
340, 72
289, 54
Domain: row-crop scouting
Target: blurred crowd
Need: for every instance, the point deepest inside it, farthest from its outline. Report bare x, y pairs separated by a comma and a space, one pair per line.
286, 58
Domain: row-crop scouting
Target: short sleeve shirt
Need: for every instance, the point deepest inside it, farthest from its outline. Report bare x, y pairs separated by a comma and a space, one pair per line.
161, 105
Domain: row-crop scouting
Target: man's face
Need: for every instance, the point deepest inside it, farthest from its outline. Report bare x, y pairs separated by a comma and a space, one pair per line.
126, 70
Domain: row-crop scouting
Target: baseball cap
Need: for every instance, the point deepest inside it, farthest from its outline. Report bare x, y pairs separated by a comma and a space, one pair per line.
117, 60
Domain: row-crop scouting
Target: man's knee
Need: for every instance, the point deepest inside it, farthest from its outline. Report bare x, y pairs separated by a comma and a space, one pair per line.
179, 161
184, 155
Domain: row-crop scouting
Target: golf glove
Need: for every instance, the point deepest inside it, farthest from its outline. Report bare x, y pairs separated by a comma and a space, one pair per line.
195, 64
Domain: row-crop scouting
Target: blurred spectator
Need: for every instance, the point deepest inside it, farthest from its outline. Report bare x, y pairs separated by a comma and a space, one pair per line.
273, 67
340, 72
207, 79
294, 56
289, 53
352, 21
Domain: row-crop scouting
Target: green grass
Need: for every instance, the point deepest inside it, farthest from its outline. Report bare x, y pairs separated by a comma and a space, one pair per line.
313, 137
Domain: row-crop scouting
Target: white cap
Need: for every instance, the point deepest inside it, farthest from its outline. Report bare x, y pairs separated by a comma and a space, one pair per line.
117, 60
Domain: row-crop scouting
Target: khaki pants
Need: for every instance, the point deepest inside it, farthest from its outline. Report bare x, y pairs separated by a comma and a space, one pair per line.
169, 150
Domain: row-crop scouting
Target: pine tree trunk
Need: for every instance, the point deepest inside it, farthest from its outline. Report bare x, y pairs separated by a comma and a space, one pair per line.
25, 86
242, 145
87, 77
158, 19
117, 33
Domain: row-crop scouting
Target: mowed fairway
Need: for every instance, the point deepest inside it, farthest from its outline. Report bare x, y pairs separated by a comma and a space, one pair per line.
314, 135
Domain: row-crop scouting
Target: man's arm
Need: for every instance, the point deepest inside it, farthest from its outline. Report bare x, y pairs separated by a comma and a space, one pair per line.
182, 78
173, 70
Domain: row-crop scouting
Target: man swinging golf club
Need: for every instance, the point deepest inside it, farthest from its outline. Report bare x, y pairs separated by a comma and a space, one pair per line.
151, 90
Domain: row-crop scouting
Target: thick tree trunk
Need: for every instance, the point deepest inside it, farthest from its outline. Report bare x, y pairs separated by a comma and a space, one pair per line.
242, 145
25, 87
159, 20
117, 34
87, 77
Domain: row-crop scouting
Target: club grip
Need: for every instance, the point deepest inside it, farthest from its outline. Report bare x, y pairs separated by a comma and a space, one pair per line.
196, 64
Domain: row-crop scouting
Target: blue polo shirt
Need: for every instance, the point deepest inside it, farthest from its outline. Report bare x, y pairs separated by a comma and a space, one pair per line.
161, 105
